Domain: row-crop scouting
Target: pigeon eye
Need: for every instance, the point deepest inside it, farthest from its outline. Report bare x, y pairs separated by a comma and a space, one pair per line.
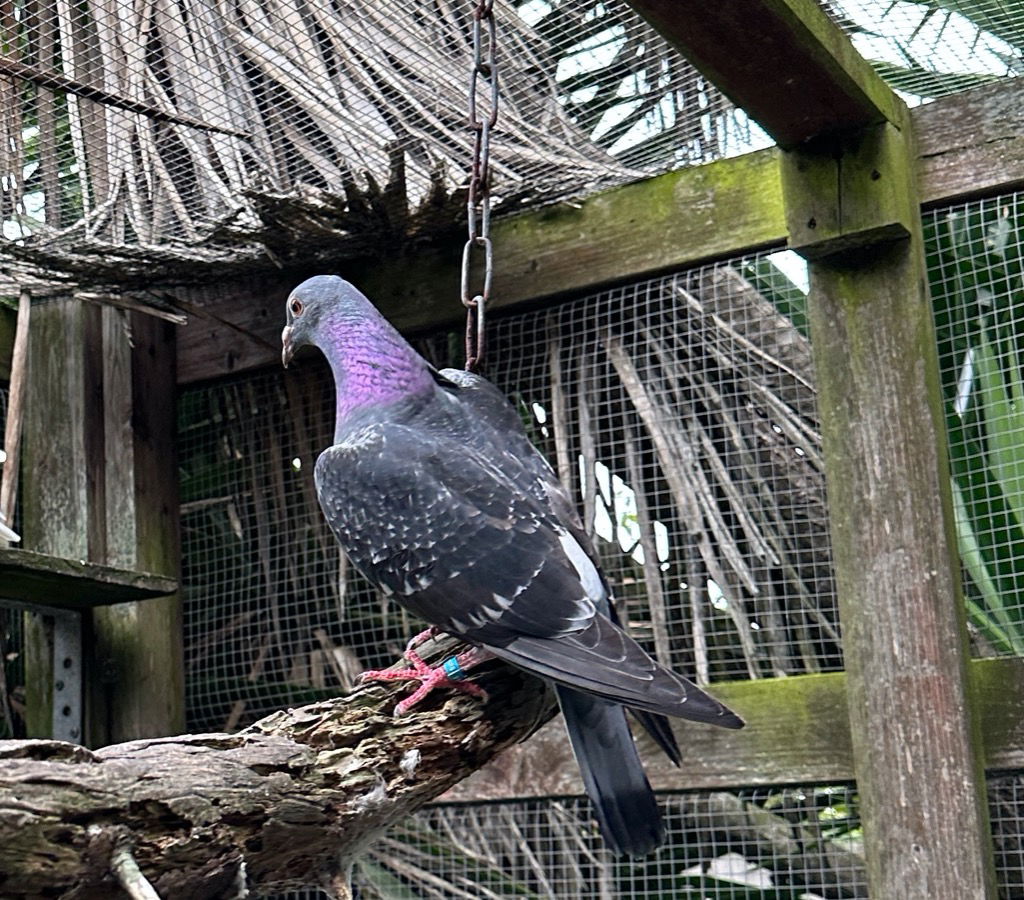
296, 307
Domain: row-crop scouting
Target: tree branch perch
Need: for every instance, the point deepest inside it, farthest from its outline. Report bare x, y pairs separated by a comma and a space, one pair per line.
291, 800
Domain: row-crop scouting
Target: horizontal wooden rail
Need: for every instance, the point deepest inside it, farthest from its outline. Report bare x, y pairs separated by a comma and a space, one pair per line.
797, 732
74, 583
971, 145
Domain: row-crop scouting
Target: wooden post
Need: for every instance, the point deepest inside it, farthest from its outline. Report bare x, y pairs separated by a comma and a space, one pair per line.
852, 209
54, 489
100, 483
852, 206
138, 688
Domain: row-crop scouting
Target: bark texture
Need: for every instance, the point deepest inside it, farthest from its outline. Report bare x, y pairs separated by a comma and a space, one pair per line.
289, 801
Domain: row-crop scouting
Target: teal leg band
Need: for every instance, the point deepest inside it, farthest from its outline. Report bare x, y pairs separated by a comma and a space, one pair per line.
452, 669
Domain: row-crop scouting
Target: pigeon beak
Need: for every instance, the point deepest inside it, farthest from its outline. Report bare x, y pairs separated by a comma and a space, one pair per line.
287, 350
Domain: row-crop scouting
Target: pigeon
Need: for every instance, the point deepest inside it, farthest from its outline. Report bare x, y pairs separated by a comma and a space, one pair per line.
436, 494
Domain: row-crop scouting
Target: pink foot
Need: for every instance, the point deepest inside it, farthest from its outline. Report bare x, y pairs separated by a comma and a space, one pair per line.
449, 674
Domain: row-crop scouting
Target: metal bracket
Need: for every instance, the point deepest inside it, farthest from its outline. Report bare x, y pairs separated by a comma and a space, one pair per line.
66, 633
67, 675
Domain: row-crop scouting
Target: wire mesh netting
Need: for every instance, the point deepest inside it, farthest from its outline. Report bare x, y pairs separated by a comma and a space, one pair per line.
1006, 811
799, 843
163, 139
976, 263
680, 411
779, 843
252, 133
930, 48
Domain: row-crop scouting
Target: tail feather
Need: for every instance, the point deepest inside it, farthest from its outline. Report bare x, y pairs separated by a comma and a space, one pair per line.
655, 725
603, 660
660, 730
624, 804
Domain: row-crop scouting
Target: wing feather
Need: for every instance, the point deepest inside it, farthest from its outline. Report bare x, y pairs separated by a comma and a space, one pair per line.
451, 536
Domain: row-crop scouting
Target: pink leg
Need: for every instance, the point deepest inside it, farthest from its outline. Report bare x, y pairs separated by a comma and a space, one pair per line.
449, 674
422, 637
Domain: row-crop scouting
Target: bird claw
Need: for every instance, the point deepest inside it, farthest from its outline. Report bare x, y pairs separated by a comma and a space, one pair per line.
447, 675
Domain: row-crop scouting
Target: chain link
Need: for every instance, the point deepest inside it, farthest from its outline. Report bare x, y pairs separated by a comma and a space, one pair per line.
478, 198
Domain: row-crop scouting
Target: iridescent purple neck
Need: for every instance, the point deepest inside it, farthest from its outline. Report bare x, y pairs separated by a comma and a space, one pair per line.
373, 365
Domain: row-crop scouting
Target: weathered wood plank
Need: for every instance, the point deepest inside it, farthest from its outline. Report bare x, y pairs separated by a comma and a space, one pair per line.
74, 583
54, 487
851, 195
798, 732
972, 144
783, 61
10, 470
897, 577
654, 226
54, 496
138, 645
119, 525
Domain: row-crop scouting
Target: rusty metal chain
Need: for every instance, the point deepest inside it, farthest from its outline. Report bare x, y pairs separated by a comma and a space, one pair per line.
478, 199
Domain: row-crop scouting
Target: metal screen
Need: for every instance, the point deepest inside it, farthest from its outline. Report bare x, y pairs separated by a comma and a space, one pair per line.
976, 262
174, 140
705, 374
165, 138
799, 843
1006, 809
930, 48
681, 411
774, 844
975, 256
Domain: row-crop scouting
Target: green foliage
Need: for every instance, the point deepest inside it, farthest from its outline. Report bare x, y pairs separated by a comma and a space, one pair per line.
977, 283
772, 283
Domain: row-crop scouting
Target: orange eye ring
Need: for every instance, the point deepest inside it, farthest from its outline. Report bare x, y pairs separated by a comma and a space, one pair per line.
296, 307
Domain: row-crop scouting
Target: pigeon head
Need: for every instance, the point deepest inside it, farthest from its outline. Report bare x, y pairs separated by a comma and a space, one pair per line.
311, 308
372, 363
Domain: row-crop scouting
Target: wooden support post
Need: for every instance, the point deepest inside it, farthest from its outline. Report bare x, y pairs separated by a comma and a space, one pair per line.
100, 485
54, 494
852, 207
138, 689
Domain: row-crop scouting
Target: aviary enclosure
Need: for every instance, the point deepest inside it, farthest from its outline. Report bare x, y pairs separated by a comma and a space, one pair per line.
743, 253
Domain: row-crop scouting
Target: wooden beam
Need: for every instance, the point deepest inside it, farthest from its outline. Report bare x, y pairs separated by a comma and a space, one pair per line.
54, 491
798, 732
74, 583
138, 648
851, 195
883, 431
100, 493
783, 61
971, 145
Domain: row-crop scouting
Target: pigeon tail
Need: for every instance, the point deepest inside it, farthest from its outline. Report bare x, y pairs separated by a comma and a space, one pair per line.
603, 660
624, 804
